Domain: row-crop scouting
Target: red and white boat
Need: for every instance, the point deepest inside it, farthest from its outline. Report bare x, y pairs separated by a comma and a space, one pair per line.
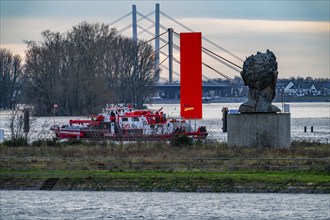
118, 122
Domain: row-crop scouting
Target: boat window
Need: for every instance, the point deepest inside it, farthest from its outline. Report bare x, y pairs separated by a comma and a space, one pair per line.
135, 119
124, 119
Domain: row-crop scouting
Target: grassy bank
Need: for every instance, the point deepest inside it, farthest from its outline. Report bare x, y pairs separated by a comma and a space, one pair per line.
159, 166
284, 182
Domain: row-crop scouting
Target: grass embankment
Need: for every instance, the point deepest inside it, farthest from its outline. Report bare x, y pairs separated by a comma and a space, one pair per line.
208, 167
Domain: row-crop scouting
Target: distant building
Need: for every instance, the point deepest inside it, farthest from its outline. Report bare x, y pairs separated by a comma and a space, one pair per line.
300, 90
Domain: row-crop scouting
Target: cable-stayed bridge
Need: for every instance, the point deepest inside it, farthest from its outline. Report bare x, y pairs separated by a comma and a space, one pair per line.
217, 61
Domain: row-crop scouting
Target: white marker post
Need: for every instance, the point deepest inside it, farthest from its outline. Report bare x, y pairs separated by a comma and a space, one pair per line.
55, 106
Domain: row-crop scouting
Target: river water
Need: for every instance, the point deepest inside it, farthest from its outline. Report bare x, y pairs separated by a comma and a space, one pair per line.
158, 205
316, 115
302, 114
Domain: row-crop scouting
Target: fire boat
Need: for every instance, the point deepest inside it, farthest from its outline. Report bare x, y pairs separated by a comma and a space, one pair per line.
120, 122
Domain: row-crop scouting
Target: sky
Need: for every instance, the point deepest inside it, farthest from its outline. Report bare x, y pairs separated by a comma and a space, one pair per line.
298, 32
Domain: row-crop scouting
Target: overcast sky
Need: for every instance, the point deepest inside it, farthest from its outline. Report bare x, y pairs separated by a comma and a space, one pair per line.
298, 32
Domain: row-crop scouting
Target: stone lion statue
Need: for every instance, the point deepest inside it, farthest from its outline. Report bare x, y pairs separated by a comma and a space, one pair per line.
260, 75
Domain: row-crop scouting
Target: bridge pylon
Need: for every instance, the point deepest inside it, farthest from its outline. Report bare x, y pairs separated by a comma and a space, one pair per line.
157, 25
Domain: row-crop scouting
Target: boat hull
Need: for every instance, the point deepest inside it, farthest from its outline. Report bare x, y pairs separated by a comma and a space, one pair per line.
126, 123
128, 136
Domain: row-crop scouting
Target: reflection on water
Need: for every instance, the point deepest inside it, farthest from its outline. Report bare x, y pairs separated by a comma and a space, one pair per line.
154, 205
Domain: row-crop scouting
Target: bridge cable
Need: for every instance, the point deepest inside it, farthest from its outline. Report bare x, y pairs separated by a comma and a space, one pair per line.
177, 61
209, 79
119, 19
234, 64
125, 28
165, 54
163, 61
152, 34
204, 38
144, 29
176, 73
203, 75
220, 73
176, 34
154, 38
160, 64
162, 26
216, 56
153, 53
221, 61
144, 17
130, 25
217, 71
176, 47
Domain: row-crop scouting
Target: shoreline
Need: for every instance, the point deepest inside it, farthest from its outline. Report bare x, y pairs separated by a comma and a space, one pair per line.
161, 167
170, 182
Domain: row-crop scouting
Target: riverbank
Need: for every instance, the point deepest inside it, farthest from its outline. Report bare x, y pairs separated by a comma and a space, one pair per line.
159, 166
236, 182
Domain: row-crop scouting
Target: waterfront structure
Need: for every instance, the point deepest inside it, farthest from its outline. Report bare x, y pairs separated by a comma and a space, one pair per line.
259, 124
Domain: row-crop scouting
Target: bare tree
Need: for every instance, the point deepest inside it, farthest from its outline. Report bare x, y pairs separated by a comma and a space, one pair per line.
11, 79
133, 77
89, 43
43, 68
20, 124
86, 68
144, 78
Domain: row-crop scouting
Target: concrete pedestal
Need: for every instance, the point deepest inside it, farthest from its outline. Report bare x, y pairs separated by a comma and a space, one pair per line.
259, 130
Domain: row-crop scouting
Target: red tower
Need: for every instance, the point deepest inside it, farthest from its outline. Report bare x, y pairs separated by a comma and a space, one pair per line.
191, 75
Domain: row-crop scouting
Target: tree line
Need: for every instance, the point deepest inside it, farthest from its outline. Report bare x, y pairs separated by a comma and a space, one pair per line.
80, 71
11, 79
